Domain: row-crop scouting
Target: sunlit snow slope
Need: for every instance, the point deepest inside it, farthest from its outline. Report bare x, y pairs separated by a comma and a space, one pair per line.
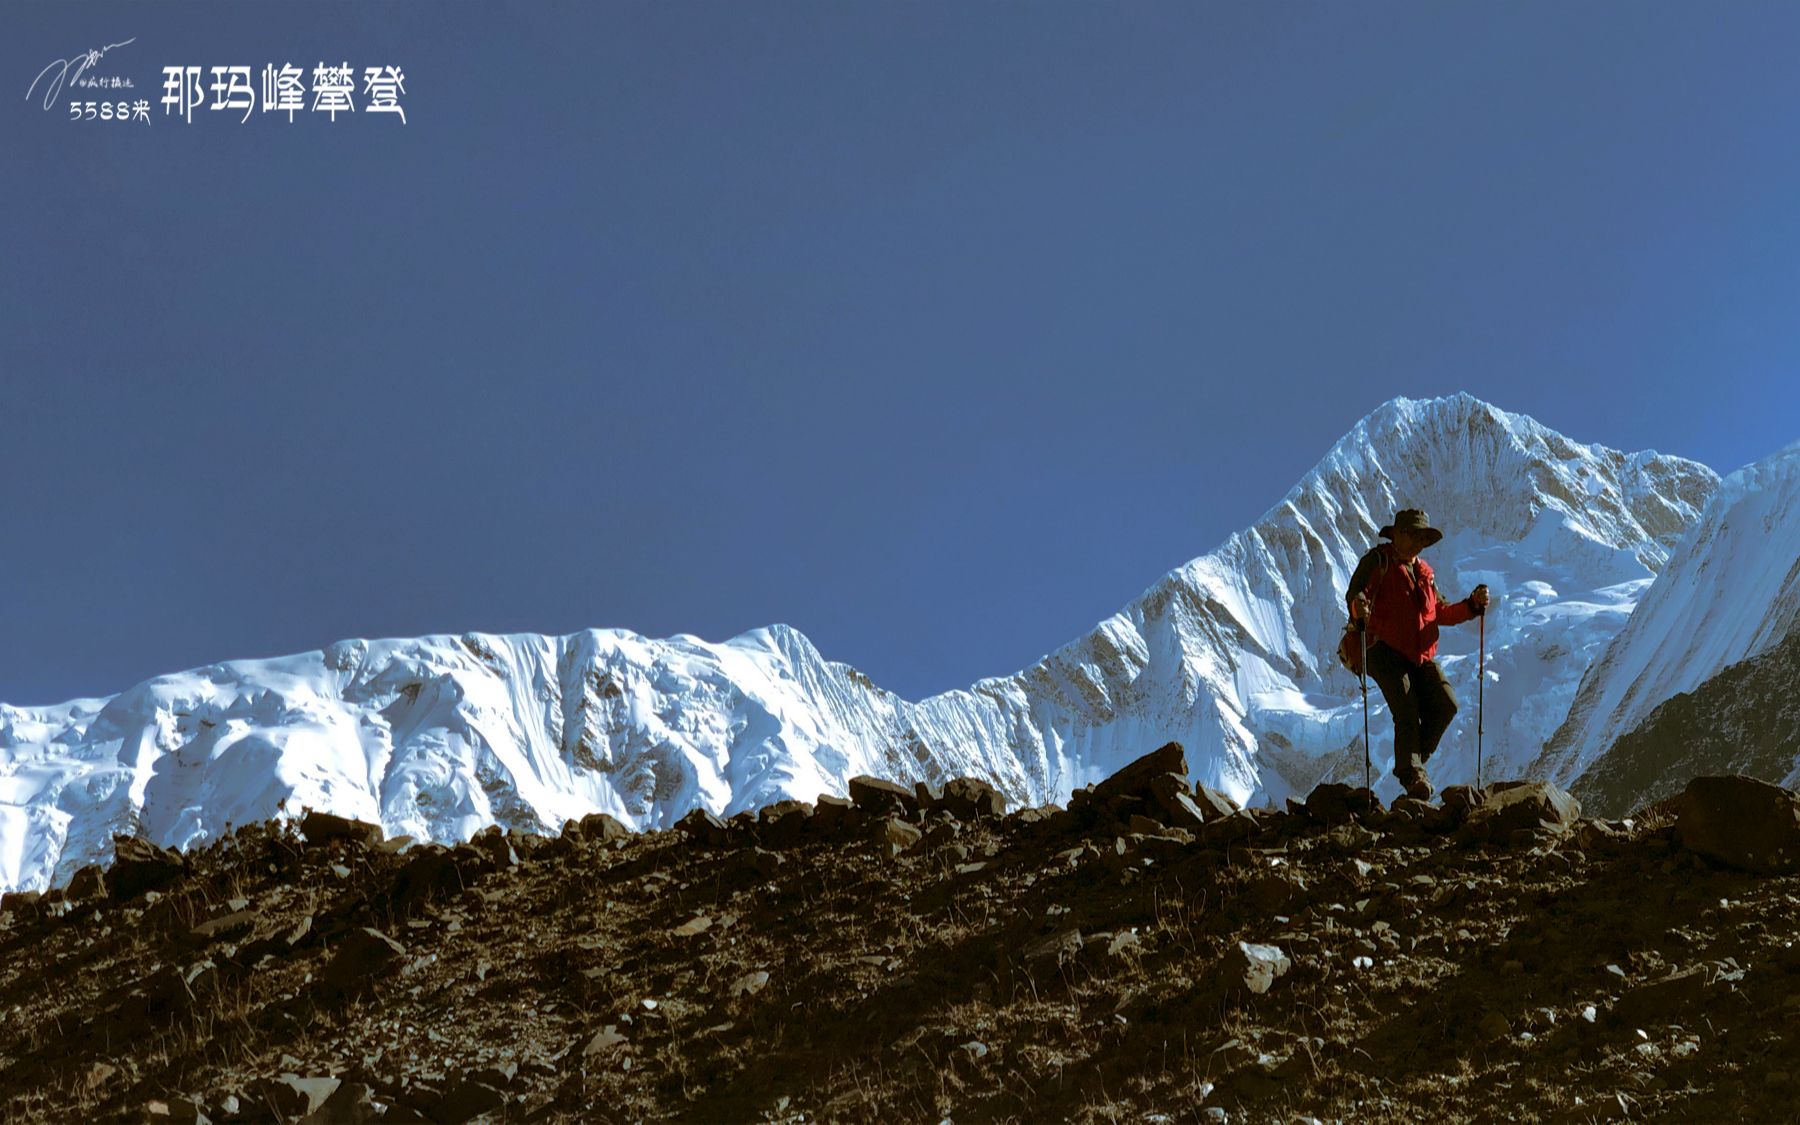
1230, 654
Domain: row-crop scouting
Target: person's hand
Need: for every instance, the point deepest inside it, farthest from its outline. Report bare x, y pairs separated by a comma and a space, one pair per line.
1359, 609
1478, 600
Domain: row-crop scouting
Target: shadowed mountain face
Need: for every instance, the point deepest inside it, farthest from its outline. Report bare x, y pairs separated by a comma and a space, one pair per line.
1230, 654
1745, 720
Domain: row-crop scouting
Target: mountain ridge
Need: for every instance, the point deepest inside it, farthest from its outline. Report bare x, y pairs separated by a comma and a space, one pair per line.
1228, 653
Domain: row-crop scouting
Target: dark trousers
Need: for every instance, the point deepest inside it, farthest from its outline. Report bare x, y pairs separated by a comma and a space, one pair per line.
1419, 699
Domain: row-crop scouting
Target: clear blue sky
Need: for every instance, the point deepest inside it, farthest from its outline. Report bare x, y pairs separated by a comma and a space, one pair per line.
936, 330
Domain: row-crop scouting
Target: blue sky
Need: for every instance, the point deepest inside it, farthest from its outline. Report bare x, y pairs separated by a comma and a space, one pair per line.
938, 331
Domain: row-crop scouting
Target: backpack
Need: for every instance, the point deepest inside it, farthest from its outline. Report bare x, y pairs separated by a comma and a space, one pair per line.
1350, 645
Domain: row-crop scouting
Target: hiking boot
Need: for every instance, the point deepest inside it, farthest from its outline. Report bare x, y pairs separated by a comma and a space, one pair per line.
1416, 784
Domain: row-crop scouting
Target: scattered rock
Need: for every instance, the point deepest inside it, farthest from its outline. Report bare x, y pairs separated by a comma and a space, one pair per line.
896, 835
466, 1101
361, 959
226, 925
294, 1096
698, 924
1256, 966
1058, 948
352, 1103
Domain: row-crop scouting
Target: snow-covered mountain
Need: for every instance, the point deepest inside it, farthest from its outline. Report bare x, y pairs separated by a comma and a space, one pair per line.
1731, 592
1231, 654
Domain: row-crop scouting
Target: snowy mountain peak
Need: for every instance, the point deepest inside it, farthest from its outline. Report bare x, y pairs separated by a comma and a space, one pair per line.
1229, 654
1495, 473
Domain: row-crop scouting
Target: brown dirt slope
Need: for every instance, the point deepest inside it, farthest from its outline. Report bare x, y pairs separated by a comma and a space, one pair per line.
1147, 955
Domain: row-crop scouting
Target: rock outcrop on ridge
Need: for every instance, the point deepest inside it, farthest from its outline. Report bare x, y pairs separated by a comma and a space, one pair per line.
1152, 952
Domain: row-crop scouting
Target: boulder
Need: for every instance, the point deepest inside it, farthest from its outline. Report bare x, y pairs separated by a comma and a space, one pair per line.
896, 835
496, 846
19, 901
1136, 776
1740, 822
784, 823
1213, 804
1460, 799
1521, 806
969, 798
877, 797
833, 814
88, 883
703, 827
431, 873
603, 828
323, 828
1334, 802
139, 866
1228, 829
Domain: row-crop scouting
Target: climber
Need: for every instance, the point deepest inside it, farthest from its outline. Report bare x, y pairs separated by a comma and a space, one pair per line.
1392, 594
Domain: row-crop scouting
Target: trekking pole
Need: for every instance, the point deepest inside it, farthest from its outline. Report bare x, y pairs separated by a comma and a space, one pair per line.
1364, 634
1480, 694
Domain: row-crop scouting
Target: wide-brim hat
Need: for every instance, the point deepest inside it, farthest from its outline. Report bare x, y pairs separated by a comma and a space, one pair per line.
1412, 519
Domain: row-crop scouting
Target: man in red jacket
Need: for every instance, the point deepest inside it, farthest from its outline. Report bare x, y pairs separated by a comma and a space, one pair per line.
1393, 594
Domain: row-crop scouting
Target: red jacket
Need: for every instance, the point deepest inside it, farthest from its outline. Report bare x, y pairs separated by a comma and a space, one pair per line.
1406, 612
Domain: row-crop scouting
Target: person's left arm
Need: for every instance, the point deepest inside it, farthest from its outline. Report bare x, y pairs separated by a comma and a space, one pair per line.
1455, 613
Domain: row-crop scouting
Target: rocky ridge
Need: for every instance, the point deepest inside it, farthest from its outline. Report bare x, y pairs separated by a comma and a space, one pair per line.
1745, 720
1150, 952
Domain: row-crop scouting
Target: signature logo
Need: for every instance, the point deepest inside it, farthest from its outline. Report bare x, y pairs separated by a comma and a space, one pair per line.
62, 67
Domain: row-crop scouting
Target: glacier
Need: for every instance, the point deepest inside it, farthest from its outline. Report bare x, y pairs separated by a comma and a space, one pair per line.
1231, 654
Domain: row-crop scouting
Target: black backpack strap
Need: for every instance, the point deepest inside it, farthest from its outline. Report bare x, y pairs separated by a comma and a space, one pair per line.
1369, 571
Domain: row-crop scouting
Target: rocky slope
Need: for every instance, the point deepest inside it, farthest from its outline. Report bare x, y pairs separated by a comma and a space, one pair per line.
1147, 955
1231, 654
1745, 720
1731, 592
